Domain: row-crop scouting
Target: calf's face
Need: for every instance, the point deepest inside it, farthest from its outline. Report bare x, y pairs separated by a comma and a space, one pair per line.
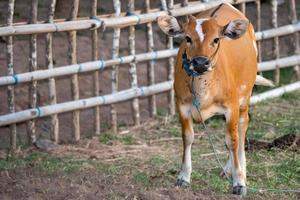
202, 38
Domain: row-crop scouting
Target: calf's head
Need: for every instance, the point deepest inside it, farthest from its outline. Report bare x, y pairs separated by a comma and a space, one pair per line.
202, 38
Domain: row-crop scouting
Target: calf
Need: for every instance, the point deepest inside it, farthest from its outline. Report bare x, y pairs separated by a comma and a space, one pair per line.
215, 72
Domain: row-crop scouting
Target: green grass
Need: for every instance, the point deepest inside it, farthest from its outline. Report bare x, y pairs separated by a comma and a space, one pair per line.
109, 138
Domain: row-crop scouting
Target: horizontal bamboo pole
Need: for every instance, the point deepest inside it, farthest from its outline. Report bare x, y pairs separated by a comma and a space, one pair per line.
99, 65
84, 67
119, 97
113, 22
84, 103
276, 32
281, 63
275, 92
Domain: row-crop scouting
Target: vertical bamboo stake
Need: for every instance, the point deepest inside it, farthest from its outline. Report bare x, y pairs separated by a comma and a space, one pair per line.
115, 68
10, 72
96, 73
184, 2
133, 73
242, 8
54, 126
276, 41
294, 20
258, 28
150, 64
171, 62
31, 129
74, 80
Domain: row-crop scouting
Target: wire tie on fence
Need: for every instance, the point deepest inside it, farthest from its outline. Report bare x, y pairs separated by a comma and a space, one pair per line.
55, 25
154, 57
80, 68
262, 35
103, 99
135, 15
39, 112
98, 23
101, 65
121, 60
142, 91
15, 77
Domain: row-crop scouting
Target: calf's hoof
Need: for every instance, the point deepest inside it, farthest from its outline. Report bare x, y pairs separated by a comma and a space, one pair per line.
182, 183
239, 190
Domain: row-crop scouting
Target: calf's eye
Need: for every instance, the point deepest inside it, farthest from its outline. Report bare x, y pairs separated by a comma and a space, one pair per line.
216, 40
188, 39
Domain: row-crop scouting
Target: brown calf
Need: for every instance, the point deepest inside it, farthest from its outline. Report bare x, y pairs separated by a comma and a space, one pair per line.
215, 72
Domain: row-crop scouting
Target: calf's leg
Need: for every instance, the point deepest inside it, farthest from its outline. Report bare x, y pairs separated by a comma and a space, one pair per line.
232, 142
184, 176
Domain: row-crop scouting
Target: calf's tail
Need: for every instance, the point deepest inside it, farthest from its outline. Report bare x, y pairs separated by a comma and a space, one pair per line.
263, 81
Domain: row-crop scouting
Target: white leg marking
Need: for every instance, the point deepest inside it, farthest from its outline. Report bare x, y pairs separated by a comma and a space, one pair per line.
186, 168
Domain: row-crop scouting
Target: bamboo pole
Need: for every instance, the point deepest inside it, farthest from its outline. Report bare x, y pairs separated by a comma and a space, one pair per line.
84, 103
242, 7
115, 68
171, 93
95, 56
114, 22
294, 20
258, 29
275, 92
31, 129
74, 79
84, 67
124, 95
150, 64
54, 124
10, 72
96, 65
132, 70
276, 40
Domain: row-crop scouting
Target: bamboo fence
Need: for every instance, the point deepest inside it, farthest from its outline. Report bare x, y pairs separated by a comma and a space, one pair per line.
95, 56
133, 73
151, 63
54, 124
117, 21
72, 54
10, 72
32, 67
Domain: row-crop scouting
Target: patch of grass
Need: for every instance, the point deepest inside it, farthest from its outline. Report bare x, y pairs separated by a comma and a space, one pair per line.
142, 178
174, 131
49, 163
128, 140
107, 137
156, 160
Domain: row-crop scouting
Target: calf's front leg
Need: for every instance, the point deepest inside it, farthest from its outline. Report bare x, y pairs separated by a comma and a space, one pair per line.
184, 176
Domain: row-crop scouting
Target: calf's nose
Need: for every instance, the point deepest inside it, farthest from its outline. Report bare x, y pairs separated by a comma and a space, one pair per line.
201, 64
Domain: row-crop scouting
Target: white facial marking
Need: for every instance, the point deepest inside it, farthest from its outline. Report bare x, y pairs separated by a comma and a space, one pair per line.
199, 29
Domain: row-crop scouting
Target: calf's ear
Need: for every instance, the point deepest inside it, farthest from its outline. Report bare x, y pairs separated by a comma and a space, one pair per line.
170, 26
235, 29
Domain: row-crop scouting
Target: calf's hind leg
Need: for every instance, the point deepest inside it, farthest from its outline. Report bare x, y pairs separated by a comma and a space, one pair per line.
184, 176
232, 142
